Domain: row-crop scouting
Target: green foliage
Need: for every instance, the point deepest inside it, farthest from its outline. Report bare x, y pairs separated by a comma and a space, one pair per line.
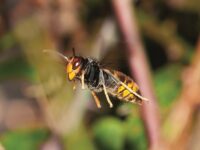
109, 134
7, 41
29, 139
78, 140
17, 68
113, 134
188, 55
135, 135
167, 85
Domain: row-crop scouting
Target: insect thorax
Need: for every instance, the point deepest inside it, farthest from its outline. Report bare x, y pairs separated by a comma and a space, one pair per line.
92, 74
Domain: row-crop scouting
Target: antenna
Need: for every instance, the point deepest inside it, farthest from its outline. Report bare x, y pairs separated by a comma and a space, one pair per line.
56, 53
73, 50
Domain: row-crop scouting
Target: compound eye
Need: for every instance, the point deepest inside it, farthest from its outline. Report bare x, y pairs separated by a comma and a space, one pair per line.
76, 65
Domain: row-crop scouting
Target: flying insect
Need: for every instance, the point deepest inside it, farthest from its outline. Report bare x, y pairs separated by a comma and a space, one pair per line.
97, 78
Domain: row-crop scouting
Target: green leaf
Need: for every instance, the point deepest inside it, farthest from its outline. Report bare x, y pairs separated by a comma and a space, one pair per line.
109, 134
167, 85
26, 139
17, 68
78, 139
135, 134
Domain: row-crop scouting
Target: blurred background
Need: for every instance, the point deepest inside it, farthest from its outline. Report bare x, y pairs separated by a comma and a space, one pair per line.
155, 42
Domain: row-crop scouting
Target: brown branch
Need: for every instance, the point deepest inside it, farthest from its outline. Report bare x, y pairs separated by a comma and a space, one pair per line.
139, 69
180, 118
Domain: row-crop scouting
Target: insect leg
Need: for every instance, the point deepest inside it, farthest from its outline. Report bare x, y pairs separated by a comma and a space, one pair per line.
74, 85
82, 80
105, 91
96, 99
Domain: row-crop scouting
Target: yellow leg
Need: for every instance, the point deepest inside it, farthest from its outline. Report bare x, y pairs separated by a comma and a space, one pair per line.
96, 100
74, 85
105, 91
82, 80
107, 97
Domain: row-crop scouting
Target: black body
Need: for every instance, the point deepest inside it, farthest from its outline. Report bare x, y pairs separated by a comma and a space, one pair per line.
93, 76
92, 73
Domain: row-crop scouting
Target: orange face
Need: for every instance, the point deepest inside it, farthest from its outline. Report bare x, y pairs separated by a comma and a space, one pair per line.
74, 67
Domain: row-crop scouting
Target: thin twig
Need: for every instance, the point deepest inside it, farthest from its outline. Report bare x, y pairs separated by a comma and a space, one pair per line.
139, 68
